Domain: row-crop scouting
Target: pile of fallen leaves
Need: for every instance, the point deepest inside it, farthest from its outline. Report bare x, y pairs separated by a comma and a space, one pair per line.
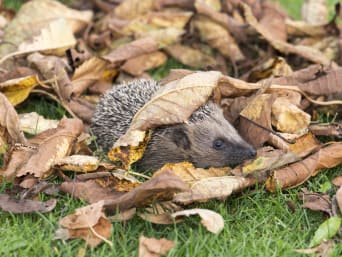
272, 75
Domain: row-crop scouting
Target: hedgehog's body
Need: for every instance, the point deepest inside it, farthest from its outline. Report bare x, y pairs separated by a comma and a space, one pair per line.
206, 140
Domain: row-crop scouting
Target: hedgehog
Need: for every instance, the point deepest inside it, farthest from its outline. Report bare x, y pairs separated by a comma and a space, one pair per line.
207, 139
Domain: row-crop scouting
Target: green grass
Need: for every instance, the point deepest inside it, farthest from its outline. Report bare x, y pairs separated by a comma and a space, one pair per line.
257, 223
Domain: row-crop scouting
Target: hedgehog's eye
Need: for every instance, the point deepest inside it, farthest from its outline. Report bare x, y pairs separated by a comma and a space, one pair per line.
218, 144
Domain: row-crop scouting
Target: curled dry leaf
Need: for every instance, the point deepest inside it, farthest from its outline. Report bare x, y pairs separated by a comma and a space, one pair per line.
87, 74
125, 10
41, 153
33, 123
33, 17
182, 96
297, 173
9, 125
211, 188
315, 201
339, 198
17, 90
210, 219
151, 247
337, 181
88, 223
305, 145
334, 130
78, 163
9, 204
48, 41
288, 118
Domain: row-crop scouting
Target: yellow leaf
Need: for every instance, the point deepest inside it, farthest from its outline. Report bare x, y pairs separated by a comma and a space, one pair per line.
17, 90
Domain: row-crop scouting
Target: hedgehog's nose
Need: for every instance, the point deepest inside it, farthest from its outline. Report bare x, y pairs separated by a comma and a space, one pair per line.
251, 153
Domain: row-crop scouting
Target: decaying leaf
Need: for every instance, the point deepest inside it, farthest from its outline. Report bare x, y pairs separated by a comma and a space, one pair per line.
210, 219
337, 181
297, 173
323, 250
305, 145
41, 152
151, 247
125, 10
9, 204
33, 123
315, 11
88, 223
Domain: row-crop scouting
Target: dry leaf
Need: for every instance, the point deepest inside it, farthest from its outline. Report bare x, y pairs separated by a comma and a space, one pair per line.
10, 132
136, 66
18, 89
33, 16
211, 188
315, 12
337, 181
88, 223
334, 130
33, 123
190, 56
131, 50
89, 72
78, 163
210, 219
323, 250
315, 201
306, 52
151, 247
288, 118
49, 40
218, 37
305, 145
125, 10
297, 173
25, 206
42, 151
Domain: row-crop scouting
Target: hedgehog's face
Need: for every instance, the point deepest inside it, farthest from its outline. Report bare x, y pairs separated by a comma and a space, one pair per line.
214, 142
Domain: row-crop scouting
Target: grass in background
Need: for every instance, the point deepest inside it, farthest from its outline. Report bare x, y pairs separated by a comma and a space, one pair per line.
257, 223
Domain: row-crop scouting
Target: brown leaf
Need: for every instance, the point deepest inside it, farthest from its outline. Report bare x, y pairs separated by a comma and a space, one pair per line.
288, 118
334, 130
210, 219
315, 12
315, 201
309, 53
131, 50
25, 206
88, 223
305, 145
323, 250
85, 75
78, 163
190, 56
218, 37
138, 65
211, 188
10, 132
151, 247
297, 173
44, 150
259, 111
125, 10
314, 80
158, 188
337, 181
82, 108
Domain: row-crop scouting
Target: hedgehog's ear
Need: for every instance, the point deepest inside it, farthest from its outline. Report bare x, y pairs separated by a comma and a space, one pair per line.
180, 138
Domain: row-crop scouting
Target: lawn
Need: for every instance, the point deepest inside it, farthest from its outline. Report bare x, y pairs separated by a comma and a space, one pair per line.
257, 223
